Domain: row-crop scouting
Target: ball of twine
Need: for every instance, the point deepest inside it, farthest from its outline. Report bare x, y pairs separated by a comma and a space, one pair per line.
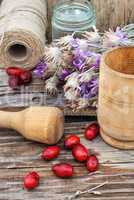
23, 26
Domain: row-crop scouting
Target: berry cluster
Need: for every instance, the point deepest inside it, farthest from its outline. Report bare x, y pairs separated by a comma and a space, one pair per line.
18, 77
79, 152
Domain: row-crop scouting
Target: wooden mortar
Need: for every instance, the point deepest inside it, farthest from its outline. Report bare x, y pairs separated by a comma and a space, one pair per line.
41, 124
116, 98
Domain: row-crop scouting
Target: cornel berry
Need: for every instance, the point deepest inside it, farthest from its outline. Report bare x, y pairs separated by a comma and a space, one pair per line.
31, 180
51, 152
63, 170
18, 77
71, 140
80, 152
92, 163
92, 131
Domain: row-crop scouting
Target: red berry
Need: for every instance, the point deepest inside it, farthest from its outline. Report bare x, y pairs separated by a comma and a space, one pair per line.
14, 71
80, 152
35, 175
92, 163
63, 170
31, 180
26, 76
14, 82
92, 131
71, 140
51, 152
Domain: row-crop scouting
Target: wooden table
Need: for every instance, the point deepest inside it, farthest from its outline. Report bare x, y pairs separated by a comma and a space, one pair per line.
19, 156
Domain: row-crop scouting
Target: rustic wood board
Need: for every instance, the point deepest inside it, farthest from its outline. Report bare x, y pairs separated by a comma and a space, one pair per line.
19, 156
34, 94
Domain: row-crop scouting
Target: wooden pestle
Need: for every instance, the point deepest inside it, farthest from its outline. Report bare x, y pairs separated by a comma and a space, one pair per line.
41, 124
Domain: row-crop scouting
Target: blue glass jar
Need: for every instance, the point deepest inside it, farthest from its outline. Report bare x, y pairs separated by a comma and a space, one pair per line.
72, 16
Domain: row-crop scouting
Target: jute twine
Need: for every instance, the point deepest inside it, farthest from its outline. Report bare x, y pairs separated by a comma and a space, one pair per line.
23, 26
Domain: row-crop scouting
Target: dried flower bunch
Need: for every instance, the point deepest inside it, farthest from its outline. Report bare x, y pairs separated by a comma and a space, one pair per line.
75, 61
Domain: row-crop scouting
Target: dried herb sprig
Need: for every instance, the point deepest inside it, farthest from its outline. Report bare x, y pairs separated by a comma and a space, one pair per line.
89, 191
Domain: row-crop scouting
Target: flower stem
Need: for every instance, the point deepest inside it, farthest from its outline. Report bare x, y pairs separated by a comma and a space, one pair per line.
89, 191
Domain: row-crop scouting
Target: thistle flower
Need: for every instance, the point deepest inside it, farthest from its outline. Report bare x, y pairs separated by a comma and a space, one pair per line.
71, 94
121, 34
64, 73
53, 55
79, 59
64, 42
94, 85
83, 45
72, 81
86, 76
78, 63
40, 69
82, 54
75, 42
113, 39
97, 60
79, 43
51, 85
89, 89
94, 61
93, 36
67, 57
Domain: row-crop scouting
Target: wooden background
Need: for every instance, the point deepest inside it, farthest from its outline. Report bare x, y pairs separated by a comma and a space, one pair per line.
110, 13
19, 156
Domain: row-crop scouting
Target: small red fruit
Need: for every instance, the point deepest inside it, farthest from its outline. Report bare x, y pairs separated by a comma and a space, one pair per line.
14, 82
63, 170
26, 76
35, 174
14, 71
31, 180
92, 131
51, 152
92, 163
80, 152
71, 140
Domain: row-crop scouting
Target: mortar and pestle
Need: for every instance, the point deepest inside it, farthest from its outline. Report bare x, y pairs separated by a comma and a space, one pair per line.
40, 124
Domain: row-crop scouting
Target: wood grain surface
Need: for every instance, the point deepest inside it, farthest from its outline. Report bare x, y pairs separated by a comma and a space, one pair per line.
19, 156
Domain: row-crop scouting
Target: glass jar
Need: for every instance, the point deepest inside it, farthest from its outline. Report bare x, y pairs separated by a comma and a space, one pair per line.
72, 16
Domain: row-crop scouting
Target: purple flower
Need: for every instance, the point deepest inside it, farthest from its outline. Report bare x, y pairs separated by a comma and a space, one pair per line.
80, 58
64, 74
121, 34
96, 65
78, 62
75, 42
83, 54
40, 69
89, 89
94, 86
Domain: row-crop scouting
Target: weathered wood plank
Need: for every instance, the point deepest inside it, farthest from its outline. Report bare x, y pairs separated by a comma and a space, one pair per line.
108, 13
51, 187
27, 154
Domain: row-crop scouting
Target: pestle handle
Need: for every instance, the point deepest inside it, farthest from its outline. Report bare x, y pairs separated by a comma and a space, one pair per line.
8, 119
40, 124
